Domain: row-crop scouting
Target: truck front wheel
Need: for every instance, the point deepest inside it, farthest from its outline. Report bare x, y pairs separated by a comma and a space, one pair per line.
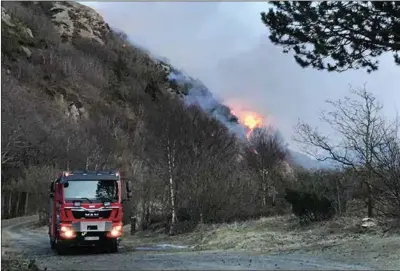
52, 244
113, 246
59, 247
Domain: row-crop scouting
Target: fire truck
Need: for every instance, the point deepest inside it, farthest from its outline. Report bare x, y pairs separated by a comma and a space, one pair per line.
85, 209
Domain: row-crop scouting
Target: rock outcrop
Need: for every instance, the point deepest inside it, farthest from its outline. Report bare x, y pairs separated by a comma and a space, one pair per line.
74, 19
22, 37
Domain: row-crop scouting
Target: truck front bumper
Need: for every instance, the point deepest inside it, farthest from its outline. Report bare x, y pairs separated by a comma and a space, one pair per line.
89, 233
87, 239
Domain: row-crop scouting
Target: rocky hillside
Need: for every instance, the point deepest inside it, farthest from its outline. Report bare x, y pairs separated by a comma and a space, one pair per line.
78, 94
75, 21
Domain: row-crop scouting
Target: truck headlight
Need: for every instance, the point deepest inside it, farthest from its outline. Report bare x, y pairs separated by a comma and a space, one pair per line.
116, 231
69, 233
64, 228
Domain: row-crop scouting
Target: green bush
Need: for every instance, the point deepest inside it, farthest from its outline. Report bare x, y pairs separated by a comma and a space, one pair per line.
309, 206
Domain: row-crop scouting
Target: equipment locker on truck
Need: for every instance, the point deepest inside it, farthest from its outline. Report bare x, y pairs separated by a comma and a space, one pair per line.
85, 209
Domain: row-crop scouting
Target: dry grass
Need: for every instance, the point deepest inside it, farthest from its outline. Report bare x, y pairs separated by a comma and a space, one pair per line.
271, 233
340, 239
16, 263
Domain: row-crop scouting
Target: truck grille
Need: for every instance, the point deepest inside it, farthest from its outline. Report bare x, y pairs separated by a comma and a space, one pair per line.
91, 214
100, 226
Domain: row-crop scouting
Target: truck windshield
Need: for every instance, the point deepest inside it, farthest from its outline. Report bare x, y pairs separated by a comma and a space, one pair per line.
91, 191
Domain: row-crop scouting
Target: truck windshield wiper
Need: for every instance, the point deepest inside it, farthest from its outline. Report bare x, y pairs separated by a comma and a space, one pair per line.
87, 200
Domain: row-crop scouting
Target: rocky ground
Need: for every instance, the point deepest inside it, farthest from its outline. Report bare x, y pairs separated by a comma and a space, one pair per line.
274, 243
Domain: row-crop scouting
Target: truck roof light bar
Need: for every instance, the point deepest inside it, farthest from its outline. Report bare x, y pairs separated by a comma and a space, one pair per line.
86, 173
93, 172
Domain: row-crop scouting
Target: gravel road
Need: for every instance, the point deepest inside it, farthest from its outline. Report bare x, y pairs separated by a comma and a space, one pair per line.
18, 235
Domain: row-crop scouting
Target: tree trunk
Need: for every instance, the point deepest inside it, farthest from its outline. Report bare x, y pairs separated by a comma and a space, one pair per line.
133, 225
339, 204
274, 196
26, 203
9, 211
264, 189
171, 165
143, 223
17, 205
3, 202
370, 201
264, 193
173, 211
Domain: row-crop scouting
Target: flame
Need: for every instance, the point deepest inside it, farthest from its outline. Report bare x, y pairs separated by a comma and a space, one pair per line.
251, 120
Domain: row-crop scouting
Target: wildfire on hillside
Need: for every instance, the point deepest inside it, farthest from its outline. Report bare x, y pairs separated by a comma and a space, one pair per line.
250, 120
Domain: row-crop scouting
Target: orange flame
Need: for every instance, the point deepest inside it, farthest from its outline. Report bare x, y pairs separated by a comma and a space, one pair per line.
250, 120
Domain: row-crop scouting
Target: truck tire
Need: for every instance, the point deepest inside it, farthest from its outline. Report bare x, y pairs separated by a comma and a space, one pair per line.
113, 246
60, 250
52, 244
59, 247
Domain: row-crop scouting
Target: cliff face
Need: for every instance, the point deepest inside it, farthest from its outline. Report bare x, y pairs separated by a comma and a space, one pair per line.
58, 41
73, 19
69, 55
77, 94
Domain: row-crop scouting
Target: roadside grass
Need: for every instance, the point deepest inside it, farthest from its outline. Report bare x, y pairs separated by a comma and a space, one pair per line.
14, 262
341, 239
280, 233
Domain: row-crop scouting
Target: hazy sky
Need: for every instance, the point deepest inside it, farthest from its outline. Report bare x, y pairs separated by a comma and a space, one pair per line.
226, 46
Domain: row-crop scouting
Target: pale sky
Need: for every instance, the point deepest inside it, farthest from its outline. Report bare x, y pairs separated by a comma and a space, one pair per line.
225, 45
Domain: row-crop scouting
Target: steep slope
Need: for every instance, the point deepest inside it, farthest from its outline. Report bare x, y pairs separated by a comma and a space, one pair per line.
193, 91
76, 94
76, 24
69, 81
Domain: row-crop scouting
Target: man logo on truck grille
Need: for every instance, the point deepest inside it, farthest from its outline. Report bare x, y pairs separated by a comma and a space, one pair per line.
92, 214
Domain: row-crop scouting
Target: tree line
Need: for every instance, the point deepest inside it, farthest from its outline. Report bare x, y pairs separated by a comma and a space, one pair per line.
84, 105
336, 37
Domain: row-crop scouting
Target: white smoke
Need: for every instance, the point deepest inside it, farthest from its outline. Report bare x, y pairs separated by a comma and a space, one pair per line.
200, 95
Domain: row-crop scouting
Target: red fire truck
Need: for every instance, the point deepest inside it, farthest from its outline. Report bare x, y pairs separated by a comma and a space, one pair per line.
85, 209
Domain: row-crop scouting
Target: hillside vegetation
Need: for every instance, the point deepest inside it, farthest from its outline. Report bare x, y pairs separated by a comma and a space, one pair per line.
77, 95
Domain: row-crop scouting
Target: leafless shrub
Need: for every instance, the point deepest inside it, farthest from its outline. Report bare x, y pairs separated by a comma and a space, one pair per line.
32, 16
264, 154
387, 170
359, 125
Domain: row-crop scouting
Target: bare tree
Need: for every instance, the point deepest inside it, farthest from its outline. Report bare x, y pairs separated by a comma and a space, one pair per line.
359, 127
265, 151
166, 146
211, 153
387, 169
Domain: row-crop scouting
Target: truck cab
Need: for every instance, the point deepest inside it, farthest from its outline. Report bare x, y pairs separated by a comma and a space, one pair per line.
85, 209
